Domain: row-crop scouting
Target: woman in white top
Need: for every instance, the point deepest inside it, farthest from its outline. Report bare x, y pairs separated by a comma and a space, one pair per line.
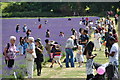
97, 37
30, 56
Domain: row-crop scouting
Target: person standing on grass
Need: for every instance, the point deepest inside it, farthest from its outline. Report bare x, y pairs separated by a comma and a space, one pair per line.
30, 56
25, 28
89, 64
114, 52
10, 52
48, 47
48, 33
39, 50
74, 32
20, 46
56, 54
17, 28
69, 51
97, 37
116, 19
84, 38
115, 35
79, 56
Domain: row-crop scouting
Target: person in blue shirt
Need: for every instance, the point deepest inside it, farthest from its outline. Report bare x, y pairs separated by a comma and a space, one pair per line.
25, 45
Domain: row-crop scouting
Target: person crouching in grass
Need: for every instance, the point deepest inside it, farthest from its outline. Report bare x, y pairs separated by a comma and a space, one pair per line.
56, 54
79, 56
30, 55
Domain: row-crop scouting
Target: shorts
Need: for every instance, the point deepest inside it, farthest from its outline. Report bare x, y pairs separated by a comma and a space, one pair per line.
57, 58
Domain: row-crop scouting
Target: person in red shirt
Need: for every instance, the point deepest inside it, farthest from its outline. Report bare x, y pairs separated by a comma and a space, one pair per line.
40, 26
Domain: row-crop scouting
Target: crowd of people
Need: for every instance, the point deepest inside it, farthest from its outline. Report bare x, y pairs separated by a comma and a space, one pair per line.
104, 34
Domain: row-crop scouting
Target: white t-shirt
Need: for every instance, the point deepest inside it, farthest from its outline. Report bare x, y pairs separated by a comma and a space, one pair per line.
114, 48
69, 43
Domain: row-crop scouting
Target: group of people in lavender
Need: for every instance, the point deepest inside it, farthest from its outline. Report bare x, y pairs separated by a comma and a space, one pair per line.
104, 34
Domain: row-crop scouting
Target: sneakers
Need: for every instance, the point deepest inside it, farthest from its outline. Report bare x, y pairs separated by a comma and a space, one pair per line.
38, 74
51, 66
80, 66
61, 66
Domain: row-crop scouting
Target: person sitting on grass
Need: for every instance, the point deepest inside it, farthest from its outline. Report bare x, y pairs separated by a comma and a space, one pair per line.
89, 65
61, 34
79, 56
56, 54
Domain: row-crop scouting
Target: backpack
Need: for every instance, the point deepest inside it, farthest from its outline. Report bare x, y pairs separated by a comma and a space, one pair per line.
8, 46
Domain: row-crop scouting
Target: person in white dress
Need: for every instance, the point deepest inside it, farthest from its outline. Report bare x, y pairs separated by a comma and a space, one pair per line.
30, 56
97, 37
79, 56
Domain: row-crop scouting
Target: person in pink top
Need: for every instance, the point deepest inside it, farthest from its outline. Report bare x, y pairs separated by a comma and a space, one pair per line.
10, 52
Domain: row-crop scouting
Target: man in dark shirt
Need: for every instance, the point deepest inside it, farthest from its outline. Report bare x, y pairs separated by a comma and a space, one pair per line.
84, 38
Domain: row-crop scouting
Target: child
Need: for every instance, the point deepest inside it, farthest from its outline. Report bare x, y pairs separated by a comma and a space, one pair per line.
97, 37
17, 28
79, 56
56, 55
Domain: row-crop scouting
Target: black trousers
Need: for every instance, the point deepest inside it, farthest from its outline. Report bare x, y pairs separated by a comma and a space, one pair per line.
75, 42
39, 66
90, 76
10, 63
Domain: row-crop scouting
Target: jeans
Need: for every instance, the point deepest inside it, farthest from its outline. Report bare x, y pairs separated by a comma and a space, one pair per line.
69, 52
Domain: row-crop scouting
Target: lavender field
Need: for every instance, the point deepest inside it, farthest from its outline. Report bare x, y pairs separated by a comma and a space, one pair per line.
55, 25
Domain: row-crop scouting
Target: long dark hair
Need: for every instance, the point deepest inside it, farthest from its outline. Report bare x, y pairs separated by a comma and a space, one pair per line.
21, 40
89, 48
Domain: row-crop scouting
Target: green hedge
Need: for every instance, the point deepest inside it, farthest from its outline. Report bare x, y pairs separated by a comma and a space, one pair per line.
30, 14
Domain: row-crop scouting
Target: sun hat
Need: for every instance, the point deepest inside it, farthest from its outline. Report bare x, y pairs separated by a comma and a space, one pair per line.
38, 40
12, 38
31, 38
